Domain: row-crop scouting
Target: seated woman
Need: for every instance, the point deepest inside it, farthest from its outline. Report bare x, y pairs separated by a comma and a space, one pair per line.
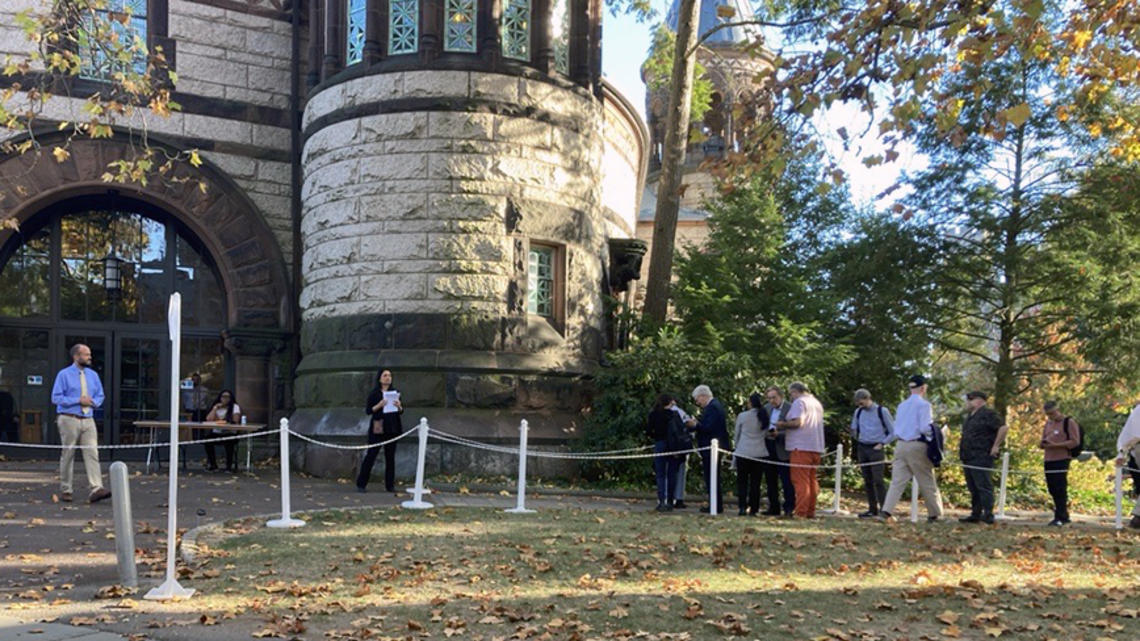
225, 410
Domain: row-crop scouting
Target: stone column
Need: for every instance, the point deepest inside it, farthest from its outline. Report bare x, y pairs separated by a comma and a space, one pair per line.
431, 29
580, 42
334, 38
542, 55
252, 351
316, 43
157, 34
375, 30
596, 47
487, 21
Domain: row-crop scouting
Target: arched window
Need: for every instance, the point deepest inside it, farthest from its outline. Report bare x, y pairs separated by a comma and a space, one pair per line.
354, 49
59, 271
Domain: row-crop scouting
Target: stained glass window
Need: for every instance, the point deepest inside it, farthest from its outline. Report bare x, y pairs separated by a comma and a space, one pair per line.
112, 38
354, 50
459, 34
540, 281
515, 27
403, 26
560, 35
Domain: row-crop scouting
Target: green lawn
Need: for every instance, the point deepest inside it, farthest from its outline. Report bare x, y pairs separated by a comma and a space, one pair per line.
479, 574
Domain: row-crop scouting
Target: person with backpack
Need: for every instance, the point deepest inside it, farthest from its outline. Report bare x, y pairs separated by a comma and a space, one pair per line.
872, 429
1062, 439
664, 426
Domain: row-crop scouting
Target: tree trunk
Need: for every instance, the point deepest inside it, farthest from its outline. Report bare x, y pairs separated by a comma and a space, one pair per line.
672, 166
1005, 375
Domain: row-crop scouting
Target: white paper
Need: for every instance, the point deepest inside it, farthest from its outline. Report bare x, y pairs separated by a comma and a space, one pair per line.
390, 406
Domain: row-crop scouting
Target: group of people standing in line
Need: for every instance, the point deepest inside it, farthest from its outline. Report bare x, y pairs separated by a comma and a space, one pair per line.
780, 443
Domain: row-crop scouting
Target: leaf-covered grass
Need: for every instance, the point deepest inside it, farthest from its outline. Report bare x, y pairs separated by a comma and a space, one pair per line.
482, 574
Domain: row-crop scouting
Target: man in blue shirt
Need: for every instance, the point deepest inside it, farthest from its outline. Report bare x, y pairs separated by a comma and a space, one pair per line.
76, 393
872, 429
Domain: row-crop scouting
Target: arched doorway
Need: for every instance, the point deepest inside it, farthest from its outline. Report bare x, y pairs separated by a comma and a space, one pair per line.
99, 270
212, 212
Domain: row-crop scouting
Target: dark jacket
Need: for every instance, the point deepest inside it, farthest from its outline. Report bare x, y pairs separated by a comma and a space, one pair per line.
712, 424
665, 425
776, 447
979, 432
390, 420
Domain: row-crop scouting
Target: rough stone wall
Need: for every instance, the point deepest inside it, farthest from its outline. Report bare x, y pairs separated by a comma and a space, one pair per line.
425, 212
230, 54
269, 185
421, 193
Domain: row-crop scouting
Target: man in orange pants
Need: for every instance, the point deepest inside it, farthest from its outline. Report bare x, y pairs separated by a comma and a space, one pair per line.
805, 445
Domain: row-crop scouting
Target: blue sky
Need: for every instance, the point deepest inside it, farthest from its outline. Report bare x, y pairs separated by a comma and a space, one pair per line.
625, 42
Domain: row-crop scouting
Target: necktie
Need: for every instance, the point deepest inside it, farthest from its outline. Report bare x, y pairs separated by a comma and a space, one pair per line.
83, 390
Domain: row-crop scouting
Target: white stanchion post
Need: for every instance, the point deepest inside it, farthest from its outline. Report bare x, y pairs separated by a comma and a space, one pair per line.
520, 505
417, 502
286, 520
1000, 516
714, 475
914, 500
170, 589
837, 509
1118, 487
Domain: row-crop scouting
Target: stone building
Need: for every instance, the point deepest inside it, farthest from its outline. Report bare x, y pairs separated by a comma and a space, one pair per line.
445, 188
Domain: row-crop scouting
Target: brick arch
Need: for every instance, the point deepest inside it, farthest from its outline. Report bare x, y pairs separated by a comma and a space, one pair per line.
223, 219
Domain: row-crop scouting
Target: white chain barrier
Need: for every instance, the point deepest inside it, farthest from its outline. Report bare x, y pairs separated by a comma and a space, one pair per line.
1000, 516
286, 521
520, 505
418, 502
128, 446
837, 508
714, 476
337, 446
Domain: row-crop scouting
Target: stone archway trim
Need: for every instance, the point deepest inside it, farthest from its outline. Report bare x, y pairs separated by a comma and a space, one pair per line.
222, 217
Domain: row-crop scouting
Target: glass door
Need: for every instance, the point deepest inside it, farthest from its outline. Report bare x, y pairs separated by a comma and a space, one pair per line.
143, 385
102, 363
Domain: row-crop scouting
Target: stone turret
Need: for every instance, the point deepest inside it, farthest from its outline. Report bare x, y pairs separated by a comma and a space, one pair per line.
454, 225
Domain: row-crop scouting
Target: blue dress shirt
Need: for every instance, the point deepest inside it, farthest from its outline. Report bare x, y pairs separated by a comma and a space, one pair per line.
65, 391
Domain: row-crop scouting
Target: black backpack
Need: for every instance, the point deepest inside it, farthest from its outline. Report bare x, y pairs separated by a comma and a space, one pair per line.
1075, 451
677, 437
859, 413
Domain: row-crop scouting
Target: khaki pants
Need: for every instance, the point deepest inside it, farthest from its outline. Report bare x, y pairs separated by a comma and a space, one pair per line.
911, 463
81, 431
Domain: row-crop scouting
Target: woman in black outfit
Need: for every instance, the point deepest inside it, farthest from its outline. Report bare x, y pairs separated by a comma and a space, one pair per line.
665, 428
381, 427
